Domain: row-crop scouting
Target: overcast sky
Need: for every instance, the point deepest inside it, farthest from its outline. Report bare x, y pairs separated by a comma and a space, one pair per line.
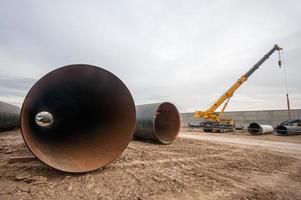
187, 52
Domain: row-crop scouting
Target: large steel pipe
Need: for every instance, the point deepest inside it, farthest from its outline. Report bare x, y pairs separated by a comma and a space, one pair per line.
285, 130
259, 129
78, 118
158, 122
9, 116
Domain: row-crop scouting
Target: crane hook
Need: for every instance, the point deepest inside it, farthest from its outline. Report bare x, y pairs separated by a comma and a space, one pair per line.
279, 59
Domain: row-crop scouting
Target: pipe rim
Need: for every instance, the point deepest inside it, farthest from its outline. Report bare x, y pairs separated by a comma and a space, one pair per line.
282, 130
177, 130
79, 170
257, 129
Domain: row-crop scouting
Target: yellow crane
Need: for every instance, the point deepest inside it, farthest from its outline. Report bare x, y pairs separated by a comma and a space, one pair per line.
214, 122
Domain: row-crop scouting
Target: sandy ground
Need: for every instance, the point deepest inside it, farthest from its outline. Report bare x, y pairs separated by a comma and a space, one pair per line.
290, 145
194, 166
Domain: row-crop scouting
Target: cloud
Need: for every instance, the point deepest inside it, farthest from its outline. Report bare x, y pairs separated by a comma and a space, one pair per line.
187, 52
14, 89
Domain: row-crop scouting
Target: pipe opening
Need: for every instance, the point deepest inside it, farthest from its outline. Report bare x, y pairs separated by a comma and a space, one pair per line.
282, 130
44, 119
94, 118
167, 122
254, 128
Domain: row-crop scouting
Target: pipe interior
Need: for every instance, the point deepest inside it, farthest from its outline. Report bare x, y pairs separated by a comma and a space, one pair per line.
167, 122
254, 128
282, 130
93, 118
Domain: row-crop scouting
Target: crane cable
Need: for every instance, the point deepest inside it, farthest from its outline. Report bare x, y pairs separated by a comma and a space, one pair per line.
281, 62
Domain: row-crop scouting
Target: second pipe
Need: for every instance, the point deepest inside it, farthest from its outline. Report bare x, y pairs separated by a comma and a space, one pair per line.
158, 122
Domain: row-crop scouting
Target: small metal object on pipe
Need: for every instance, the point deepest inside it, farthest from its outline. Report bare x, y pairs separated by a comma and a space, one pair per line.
284, 130
78, 118
259, 129
158, 122
9, 116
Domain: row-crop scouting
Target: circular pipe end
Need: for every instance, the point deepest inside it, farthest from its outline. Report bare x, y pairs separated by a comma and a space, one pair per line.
87, 119
281, 130
167, 123
254, 128
44, 119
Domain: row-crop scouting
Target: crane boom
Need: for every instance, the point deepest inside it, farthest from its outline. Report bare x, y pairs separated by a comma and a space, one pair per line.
262, 60
209, 113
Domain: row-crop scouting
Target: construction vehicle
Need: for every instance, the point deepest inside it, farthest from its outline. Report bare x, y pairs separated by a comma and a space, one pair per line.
213, 121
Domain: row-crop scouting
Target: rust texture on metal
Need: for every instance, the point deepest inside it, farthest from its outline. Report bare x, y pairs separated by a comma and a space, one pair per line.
158, 122
9, 116
92, 115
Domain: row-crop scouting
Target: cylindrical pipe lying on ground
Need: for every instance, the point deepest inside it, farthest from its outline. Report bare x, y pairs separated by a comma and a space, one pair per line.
158, 122
9, 116
259, 129
78, 118
285, 130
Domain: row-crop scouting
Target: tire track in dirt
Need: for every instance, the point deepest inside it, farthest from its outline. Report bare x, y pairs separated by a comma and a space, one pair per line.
286, 147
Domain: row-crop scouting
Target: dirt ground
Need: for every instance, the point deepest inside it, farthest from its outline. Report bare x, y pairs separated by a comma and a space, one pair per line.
195, 166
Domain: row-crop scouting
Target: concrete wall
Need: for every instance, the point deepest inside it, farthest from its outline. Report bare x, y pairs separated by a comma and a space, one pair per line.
244, 118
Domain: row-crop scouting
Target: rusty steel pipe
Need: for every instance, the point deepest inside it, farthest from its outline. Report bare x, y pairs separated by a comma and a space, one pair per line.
285, 130
78, 118
9, 116
158, 122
